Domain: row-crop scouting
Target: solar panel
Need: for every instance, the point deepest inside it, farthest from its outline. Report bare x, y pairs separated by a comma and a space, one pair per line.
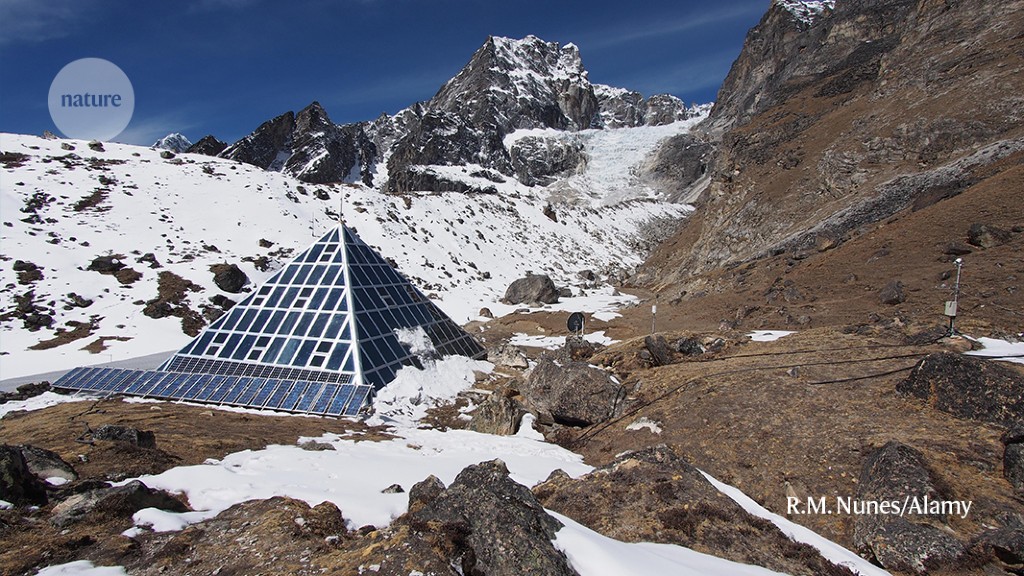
323, 398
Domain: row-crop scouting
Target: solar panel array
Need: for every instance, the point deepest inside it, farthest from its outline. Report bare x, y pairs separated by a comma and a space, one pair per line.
324, 398
317, 337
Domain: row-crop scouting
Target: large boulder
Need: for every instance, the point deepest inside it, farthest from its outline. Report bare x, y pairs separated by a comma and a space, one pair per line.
487, 523
892, 293
987, 236
655, 495
532, 289
1013, 457
46, 464
119, 502
126, 434
912, 541
18, 485
573, 393
968, 387
499, 414
229, 277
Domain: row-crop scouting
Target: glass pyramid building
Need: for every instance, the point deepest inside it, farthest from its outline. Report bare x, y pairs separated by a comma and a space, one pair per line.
318, 337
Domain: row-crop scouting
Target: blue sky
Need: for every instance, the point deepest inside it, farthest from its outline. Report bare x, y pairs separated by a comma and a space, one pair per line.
225, 66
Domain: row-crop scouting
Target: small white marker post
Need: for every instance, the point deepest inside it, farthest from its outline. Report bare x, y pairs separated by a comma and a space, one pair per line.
951, 305
654, 316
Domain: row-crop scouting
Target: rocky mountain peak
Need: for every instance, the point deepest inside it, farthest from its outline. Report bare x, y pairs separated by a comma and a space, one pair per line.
527, 83
208, 145
312, 118
174, 142
264, 146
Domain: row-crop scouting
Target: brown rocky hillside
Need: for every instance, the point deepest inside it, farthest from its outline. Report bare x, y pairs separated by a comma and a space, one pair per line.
857, 151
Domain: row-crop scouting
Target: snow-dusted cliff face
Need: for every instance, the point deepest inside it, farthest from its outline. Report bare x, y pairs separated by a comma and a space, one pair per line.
508, 86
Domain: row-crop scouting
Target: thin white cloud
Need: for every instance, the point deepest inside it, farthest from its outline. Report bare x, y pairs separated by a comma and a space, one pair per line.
648, 30
37, 21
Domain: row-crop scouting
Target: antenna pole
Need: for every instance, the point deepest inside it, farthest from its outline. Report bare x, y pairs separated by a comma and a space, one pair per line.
956, 296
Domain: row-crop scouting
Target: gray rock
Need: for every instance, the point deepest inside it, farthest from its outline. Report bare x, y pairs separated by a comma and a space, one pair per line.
968, 387
536, 159
229, 277
485, 313
127, 434
956, 249
896, 472
661, 352
987, 236
679, 163
573, 393
18, 485
116, 502
499, 414
393, 489
491, 524
425, 492
892, 293
532, 289
664, 109
315, 446
46, 464
1013, 457
506, 354
106, 264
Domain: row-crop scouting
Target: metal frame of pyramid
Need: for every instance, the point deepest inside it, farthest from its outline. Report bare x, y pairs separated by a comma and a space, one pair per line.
318, 337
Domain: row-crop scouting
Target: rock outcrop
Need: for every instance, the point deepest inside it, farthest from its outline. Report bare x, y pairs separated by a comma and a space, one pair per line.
968, 387
655, 495
491, 524
533, 289
573, 393
116, 502
229, 277
915, 542
18, 484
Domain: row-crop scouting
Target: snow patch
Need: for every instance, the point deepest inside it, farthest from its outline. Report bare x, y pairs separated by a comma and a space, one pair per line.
407, 398
593, 554
830, 550
645, 422
44, 400
999, 350
769, 335
556, 342
81, 568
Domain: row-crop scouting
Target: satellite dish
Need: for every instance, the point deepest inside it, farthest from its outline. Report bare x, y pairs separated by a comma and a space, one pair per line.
575, 323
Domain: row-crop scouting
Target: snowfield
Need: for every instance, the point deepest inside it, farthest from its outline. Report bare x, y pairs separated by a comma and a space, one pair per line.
63, 204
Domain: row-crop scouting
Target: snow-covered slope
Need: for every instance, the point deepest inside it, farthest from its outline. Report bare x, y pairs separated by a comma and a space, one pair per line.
62, 208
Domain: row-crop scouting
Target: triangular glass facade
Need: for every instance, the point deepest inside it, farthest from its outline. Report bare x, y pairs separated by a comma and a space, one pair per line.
304, 320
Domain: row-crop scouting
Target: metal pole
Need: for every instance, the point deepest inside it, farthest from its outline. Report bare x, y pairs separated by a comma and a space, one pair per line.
654, 315
956, 296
